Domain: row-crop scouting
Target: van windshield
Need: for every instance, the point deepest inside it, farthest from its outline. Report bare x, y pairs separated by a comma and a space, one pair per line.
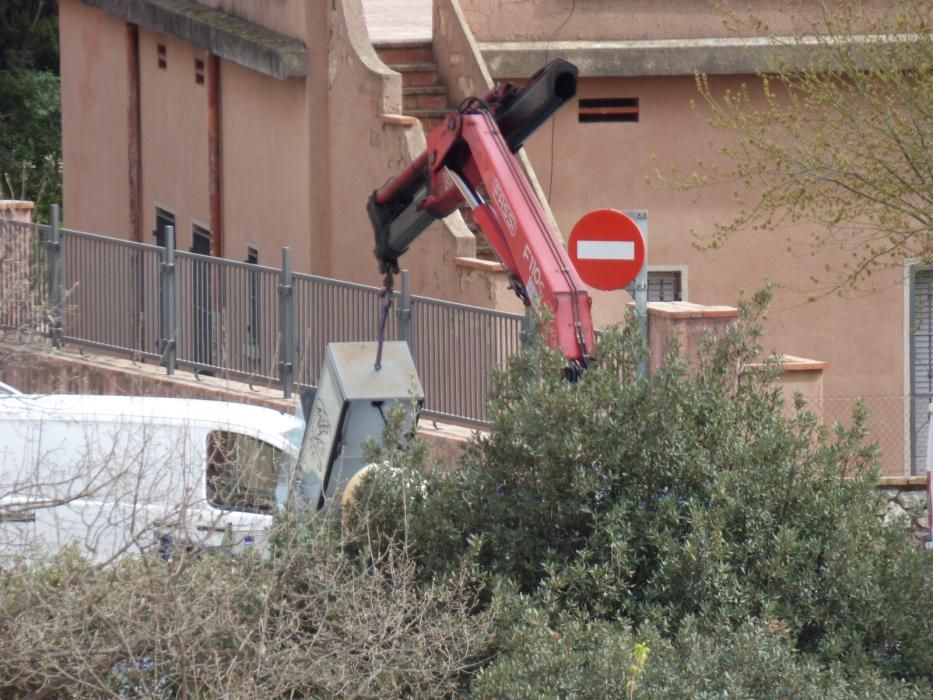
242, 472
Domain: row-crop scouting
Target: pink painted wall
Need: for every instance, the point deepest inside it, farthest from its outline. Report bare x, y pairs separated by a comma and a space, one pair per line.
266, 172
606, 164
560, 20
174, 137
94, 120
283, 16
364, 150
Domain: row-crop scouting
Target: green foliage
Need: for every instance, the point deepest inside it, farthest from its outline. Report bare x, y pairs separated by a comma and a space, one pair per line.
29, 35
31, 150
583, 658
30, 104
686, 496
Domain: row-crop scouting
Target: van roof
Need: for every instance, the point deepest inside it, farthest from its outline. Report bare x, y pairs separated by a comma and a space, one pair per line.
150, 407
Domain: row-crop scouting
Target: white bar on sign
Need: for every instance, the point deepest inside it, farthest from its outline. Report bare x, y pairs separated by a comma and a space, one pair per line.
605, 250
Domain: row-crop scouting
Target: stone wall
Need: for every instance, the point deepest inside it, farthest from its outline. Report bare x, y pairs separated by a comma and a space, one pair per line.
906, 497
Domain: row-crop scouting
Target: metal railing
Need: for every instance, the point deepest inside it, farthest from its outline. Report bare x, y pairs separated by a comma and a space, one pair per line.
240, 320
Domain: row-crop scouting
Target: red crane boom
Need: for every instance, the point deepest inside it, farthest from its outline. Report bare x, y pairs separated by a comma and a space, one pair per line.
470, 161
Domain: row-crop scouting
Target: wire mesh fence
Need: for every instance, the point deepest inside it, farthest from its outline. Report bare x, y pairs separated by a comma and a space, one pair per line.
23, 275
898, 423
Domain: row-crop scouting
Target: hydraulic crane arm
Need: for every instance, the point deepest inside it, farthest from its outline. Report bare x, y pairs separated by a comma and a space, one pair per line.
469, 160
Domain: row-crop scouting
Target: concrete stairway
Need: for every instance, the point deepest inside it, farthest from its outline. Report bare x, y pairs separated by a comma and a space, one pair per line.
425, 98
423, 95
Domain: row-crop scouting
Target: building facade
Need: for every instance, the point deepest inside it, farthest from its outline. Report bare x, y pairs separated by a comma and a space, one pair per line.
251, 126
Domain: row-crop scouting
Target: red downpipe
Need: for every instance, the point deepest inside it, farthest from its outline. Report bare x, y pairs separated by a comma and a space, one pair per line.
134, 132
215, 148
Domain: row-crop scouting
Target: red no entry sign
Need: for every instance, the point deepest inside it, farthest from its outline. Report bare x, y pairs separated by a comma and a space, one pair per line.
607, 249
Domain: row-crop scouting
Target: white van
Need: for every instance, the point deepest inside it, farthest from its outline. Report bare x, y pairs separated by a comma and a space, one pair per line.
116, 474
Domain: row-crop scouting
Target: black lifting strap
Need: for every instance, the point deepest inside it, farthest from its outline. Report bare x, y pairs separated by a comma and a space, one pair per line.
385, 300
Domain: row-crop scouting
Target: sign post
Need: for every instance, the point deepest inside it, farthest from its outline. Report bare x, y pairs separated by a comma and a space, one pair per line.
608, 249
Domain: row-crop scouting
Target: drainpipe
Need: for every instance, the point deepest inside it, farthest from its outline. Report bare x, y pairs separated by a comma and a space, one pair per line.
215, 147
134, 129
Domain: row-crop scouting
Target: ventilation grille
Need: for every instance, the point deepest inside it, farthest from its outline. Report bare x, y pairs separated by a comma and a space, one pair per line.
608, 109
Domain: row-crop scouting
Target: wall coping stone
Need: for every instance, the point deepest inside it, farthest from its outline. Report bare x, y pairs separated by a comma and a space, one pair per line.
686, 309
662, 57
480, 264
230, 37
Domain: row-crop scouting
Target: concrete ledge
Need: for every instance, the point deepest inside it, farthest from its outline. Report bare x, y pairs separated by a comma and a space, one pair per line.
792, 363
36, 369
902, 482
724, 56
225, 35
479, 264
398, 119
684, 309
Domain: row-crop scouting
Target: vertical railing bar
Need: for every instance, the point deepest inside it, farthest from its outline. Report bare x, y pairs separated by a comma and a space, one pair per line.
54, 259
286, 327
168, 268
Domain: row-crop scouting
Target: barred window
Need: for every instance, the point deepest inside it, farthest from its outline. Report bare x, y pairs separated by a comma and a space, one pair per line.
664, 285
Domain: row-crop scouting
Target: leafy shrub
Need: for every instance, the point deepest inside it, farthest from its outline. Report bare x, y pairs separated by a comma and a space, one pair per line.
31, 148
684, 496
575, 656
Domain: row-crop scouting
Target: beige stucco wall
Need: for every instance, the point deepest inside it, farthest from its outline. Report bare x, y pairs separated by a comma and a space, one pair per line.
94, 120
17, 210
366, 149
283, 16
557, 20
174, 153
266, 169
861, 337
605, 165
300, 158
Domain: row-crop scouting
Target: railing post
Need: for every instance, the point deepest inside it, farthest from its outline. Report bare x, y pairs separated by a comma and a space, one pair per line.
286, 325
528, 327
168, 299
403, 313
54, 274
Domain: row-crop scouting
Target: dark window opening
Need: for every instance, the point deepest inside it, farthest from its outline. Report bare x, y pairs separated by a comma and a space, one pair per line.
163, 220
608, 109
162, 56
664, 285
242, 472
199, 71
